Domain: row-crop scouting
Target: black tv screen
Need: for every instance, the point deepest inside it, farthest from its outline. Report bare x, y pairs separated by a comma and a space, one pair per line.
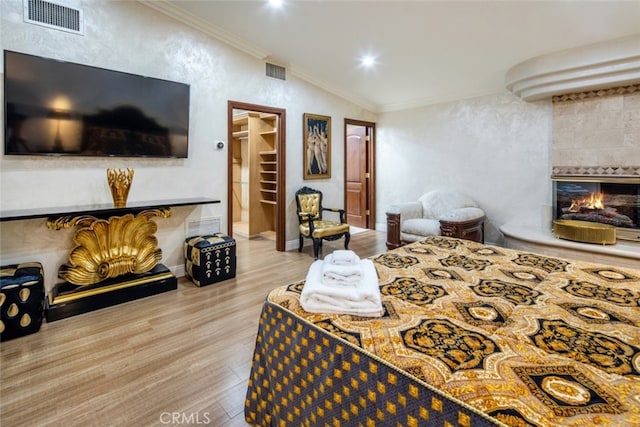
60, 108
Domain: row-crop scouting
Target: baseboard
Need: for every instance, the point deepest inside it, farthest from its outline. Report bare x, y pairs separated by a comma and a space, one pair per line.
177, 270
295, 244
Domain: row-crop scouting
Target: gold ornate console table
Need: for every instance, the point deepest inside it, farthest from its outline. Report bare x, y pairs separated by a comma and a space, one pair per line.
115, 257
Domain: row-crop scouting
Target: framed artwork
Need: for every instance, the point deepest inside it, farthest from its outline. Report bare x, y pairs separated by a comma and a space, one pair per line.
317, 146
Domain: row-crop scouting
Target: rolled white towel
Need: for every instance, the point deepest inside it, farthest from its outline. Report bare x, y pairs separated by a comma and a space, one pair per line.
361, 300
343, 257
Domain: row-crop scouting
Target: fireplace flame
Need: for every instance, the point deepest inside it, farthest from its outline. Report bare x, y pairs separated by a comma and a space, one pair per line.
592, 201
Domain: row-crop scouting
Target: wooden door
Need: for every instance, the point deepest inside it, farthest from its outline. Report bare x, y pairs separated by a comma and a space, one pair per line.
356, 171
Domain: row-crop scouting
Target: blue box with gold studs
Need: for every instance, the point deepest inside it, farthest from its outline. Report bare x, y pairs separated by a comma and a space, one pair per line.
209, 259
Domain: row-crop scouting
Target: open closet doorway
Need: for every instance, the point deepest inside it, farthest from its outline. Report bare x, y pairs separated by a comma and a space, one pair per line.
256, 172
360, 194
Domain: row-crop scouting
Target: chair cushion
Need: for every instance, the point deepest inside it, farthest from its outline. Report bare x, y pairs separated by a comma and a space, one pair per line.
324, 228
437, 203
421, 227
462, 214
310, 203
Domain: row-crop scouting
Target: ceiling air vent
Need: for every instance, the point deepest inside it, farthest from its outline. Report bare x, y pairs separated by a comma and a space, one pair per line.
54, 16
276, 71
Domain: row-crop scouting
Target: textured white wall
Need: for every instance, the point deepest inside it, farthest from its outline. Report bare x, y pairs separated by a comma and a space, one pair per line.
494, 148
128, 36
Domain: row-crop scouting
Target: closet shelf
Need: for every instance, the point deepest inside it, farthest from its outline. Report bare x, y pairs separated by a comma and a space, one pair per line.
268, 153
268, 182
268, 132
268, 202
241, 134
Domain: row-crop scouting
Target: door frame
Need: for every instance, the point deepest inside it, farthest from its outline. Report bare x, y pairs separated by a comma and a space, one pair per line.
371, 160
281, 169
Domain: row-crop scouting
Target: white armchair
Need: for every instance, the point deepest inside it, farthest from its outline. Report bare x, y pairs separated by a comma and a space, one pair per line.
439, 212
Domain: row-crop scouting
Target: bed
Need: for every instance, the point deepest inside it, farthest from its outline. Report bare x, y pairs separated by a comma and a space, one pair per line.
472, 335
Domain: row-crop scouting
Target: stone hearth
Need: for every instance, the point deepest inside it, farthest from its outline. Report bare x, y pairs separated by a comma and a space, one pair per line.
541, 240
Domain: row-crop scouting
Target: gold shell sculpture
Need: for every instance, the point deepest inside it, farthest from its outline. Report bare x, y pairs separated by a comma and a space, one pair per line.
110, 248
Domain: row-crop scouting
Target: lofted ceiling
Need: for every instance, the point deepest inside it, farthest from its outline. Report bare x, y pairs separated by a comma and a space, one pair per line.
426, 51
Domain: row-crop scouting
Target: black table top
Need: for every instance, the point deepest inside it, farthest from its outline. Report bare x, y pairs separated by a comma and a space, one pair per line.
100, 209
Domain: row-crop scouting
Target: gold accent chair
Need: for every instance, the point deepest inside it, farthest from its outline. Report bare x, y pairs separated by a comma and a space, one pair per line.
312, 226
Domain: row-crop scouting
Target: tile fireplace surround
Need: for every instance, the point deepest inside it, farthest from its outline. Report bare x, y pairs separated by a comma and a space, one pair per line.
596, 143
596, 134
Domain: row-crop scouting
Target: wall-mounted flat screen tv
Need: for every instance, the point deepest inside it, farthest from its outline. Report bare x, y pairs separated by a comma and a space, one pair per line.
60, 108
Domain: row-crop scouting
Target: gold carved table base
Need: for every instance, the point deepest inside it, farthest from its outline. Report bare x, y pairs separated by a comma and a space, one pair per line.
114, 260
108, 248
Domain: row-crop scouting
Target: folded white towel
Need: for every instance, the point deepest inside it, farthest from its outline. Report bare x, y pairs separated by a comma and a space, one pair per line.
328, 265
342, 257
340, 275
332, 279
361, 300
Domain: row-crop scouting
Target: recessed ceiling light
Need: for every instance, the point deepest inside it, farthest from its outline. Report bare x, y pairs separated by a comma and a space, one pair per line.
275, 3
368, 61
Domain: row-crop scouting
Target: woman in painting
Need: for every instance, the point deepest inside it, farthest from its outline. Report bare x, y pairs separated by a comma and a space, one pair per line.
317, 151
322, 144
311, 148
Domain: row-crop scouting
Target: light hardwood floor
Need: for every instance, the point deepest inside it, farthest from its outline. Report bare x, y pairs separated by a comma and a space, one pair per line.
178, 358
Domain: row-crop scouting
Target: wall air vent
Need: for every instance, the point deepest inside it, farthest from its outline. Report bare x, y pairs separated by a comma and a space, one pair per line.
53, 15
276, 71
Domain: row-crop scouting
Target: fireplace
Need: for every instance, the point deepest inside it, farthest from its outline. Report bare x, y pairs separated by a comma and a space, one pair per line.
609, 200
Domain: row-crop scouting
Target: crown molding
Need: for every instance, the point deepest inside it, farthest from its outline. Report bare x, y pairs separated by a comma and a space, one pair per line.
301, 74
193, 21
593, 67
435, 100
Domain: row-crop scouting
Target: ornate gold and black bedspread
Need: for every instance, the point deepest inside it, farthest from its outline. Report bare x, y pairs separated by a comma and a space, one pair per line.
471, 335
